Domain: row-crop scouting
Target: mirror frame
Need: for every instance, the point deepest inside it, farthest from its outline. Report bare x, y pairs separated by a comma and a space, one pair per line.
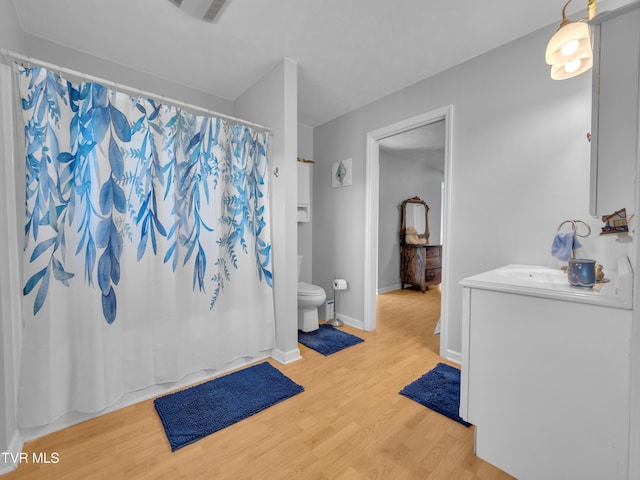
403, 206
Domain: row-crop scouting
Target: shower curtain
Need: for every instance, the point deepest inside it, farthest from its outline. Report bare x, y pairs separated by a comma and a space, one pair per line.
147, 251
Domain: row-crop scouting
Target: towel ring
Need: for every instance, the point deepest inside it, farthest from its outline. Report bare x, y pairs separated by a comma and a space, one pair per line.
574, 226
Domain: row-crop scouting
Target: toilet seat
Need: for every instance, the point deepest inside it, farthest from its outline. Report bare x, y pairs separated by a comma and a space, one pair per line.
307, 289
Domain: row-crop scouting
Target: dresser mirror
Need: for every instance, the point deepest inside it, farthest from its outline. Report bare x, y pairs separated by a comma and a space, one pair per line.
415, 222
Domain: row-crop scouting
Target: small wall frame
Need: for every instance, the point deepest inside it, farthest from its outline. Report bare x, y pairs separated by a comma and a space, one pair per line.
341, 173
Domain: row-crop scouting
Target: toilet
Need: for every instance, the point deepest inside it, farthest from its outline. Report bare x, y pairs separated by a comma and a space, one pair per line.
310, 297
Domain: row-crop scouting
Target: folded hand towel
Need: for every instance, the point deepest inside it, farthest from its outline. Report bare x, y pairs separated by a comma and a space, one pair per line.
563, 243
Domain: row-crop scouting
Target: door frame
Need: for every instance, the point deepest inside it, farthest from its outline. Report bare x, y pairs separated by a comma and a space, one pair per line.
372, 191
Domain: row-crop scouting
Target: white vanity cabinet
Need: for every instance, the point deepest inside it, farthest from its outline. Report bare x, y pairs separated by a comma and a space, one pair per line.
545, 380
614, 124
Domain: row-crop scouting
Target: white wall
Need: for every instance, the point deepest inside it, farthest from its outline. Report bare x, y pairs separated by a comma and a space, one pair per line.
305, 229
520, 167
403, 177
273, 101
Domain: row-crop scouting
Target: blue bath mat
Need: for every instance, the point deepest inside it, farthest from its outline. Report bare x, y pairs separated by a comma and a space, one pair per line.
327, 339
439, 390
194, 413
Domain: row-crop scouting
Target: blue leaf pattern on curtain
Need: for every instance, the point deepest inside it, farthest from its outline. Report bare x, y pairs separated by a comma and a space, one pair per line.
99, 163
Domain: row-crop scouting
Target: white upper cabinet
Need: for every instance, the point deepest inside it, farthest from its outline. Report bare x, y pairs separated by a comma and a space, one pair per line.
614, 129
304, 192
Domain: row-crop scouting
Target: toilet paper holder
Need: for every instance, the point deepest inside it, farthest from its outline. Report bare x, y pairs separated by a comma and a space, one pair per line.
338, 285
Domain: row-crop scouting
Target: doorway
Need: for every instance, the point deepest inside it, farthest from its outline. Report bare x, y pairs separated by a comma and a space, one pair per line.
372, 187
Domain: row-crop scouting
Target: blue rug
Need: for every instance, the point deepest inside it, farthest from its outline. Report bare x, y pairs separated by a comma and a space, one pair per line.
194, 413
327, 339
439, 390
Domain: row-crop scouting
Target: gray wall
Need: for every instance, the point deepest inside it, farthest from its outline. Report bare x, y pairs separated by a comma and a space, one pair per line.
11, 36
61, 55
520, 166
403, 177
273, 101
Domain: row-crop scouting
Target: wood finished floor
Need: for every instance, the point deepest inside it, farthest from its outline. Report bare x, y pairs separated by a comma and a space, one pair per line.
349, 423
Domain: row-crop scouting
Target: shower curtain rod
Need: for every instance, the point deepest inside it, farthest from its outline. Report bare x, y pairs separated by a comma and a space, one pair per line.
16, 57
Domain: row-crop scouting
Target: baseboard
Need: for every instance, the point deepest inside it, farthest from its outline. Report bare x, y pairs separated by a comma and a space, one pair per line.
286, 357
388, 289
455, 357
352, 322
11, 458
131, 398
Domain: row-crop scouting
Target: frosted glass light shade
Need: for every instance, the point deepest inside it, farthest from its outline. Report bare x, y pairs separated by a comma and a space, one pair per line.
569, 51
571, 69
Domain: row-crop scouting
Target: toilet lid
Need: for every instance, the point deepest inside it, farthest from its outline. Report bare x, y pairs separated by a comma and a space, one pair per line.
309, 289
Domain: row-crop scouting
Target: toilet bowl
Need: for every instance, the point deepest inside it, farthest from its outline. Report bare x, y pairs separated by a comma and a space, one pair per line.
310, 297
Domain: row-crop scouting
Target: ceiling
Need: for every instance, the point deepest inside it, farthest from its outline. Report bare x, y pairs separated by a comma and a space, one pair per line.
349, 52
425, 143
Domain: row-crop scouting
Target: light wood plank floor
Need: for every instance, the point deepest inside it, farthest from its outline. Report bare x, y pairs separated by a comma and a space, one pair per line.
349, 423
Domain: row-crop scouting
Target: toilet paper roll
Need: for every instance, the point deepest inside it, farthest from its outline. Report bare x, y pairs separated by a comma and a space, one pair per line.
339, 284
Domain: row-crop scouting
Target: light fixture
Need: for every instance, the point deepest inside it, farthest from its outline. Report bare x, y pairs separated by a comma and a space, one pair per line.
569, 51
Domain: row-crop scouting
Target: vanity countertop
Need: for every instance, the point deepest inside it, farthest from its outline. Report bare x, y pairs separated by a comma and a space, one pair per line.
550, 282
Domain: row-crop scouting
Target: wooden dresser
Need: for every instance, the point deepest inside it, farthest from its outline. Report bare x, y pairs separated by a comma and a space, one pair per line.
420, 265
420, 261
